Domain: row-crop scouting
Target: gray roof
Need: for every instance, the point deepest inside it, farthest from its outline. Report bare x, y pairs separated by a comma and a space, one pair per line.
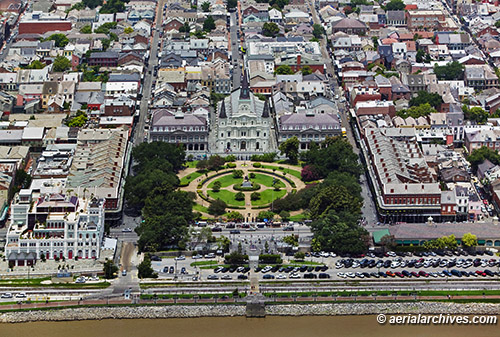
163, 117
395, 15
134, 77
104, 54
309, 120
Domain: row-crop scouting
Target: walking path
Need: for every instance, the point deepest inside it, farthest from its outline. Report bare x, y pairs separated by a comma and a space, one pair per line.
246, 167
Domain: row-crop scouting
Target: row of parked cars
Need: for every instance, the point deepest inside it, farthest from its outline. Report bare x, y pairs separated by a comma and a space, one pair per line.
231, 269
296, 275
441, 253
290, 269
417, 263
421, 273
10, 295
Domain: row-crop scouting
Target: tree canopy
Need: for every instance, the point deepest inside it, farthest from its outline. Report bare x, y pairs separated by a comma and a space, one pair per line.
434, 99
205, 7
318, 30
270, 29
283, 69
478, 156
61, 64
290, 148
60, 40
450, 72
395, 5
86, 29
209, 24
423, 110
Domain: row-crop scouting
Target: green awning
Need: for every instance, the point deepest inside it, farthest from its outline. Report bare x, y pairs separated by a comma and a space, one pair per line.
406, 242
377, 235
415, 242
481, 242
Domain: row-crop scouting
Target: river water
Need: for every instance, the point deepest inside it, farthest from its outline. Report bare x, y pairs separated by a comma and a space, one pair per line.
308, 326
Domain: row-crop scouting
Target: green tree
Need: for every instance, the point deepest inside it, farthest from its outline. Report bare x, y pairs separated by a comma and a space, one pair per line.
333, 198
86, 29
306, 70
185, 28
422, 110
469, 240
216, 187
265, 215
434, 99
61, 64
158, 154
284, 215
78, 121
291, 240
112, 6
300, 256
223, 243
235, 258
145, 270
478, 156
283, 69
497, 24
205, 7
270, 29
475, 114
450, 72
209, 24
128, 30
318, 30
36, 64
255, 196
339, 233
395, 5
215, 162
217, 207
237, 174
232, 4
290, 148
161, 232
92, 3
239, 196
388, 242
420, 57
110, 269
60, 40
234, 216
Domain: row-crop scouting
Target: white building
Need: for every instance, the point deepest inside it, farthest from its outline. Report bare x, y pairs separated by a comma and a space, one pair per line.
244, 124
55, 225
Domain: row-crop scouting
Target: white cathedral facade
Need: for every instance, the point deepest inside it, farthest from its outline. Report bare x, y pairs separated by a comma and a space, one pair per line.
244, 124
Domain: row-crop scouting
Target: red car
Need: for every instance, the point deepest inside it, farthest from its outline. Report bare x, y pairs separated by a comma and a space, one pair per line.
480, 273
414, 273
423, 273
398, 274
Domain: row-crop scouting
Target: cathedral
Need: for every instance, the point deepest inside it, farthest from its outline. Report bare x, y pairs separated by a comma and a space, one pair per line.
244, 124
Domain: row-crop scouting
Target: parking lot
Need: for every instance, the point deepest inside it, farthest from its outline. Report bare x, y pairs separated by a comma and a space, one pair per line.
329, 266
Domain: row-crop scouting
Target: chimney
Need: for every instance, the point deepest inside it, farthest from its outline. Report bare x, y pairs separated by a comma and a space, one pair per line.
299, 58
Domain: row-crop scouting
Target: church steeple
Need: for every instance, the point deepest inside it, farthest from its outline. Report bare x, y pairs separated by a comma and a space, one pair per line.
265, 111
222, 113
245, 91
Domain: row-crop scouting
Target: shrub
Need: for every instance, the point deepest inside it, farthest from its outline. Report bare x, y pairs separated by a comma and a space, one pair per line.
257, 164
239, 196
299, 256
310, 173
270, 258
231, 165
252, 175
255, 196
266, 157
230, 158
237, 174
217, 186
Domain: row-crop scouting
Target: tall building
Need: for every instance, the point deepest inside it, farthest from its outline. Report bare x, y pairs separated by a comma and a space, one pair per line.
244, 124
55, 225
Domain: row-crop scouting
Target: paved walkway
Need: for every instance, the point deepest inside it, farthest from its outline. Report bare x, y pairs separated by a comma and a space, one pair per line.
246, 167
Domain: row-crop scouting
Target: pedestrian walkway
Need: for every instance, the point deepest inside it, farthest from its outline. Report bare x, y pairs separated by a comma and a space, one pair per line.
246, 167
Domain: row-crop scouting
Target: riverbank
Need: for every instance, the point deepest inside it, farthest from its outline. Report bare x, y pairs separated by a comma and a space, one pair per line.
225, 310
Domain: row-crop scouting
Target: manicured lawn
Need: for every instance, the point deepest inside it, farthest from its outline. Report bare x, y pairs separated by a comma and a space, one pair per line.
294, 173
192, 163
298, 217
264, 179
200, 208
226, 196
226, 180
266, 197
190, 177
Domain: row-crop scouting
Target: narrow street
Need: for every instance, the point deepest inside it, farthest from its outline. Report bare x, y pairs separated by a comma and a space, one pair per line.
369, 209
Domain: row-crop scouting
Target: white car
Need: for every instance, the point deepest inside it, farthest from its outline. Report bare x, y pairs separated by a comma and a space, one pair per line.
6, 295
360, 275
351, 275
210, 256
226, 277
21, 295
343, 275
197, 256
266, 269
180, 258
127, 230
294, 275
281, 277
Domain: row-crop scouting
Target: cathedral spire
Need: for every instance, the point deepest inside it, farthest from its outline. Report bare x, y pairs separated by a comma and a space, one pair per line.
265, 111
222, 113
245, 91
